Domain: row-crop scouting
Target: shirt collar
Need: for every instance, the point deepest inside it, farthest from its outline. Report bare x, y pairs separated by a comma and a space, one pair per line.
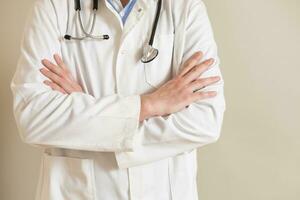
123, 11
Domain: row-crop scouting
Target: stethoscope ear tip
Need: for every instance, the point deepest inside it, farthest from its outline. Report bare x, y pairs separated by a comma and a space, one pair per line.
106, 37
68, 37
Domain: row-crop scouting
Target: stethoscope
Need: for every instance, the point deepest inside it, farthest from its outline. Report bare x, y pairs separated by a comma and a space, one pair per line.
149, 52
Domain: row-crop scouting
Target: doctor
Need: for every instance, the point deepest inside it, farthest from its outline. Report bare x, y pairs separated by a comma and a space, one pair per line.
119, 113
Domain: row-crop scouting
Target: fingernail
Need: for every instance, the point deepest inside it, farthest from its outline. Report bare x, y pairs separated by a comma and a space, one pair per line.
208, 61
45, 61
56, 55
199, 54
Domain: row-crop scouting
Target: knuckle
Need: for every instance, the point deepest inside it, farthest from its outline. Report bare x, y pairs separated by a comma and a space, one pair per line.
204, 66
200, 68
177, 76
51, 75
186, 97
200, 84
214, 80
58, 80
201, 81
183, 91
67, 71
186, 89
48, 73
178, 82
195, 69
54, 87
49, 66
187, 64
208, 81
59, 70
201, 96
64, 74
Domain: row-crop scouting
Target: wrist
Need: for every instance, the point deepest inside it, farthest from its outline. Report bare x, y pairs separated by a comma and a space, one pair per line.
147, 110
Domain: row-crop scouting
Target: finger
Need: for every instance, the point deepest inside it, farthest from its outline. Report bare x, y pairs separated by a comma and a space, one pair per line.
202, 83
54, 86
57, 70
58, 80
59, 61
191, 62
194, 73
77, 88
203, 95
52, 67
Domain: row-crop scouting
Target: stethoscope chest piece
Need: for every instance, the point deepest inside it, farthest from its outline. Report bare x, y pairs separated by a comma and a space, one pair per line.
149, 54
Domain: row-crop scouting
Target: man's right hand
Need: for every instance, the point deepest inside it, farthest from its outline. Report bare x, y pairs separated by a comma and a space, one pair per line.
180, 91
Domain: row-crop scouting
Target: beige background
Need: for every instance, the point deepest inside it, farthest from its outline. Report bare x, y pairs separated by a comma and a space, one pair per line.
258, 155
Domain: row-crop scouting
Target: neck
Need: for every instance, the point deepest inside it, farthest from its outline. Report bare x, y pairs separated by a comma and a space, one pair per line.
124, 2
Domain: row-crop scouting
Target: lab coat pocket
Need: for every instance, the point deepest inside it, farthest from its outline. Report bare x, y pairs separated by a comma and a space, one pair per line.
159, 71
67, 178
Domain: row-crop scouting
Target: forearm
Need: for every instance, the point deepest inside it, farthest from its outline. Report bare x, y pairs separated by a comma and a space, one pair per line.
161, 137
198, 124
78, 120
51, 118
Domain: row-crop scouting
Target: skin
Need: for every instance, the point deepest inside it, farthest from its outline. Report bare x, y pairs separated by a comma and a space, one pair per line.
171, 97
124, 2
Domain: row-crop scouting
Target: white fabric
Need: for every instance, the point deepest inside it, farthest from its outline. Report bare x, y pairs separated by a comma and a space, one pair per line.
117, 5
94, 146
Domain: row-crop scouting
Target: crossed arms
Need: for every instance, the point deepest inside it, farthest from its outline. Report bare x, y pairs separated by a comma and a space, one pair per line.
63, 116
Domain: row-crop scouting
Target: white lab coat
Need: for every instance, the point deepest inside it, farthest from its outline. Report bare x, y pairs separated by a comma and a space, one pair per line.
94, 146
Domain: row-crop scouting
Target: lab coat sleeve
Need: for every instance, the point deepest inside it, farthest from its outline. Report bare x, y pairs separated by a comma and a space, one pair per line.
47, 118
195, 126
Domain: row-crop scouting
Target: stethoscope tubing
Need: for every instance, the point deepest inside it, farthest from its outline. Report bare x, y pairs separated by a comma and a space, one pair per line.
150, 53
86, 34
157, 15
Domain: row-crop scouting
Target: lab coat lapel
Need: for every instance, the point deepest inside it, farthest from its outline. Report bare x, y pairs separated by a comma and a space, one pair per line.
136, 14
